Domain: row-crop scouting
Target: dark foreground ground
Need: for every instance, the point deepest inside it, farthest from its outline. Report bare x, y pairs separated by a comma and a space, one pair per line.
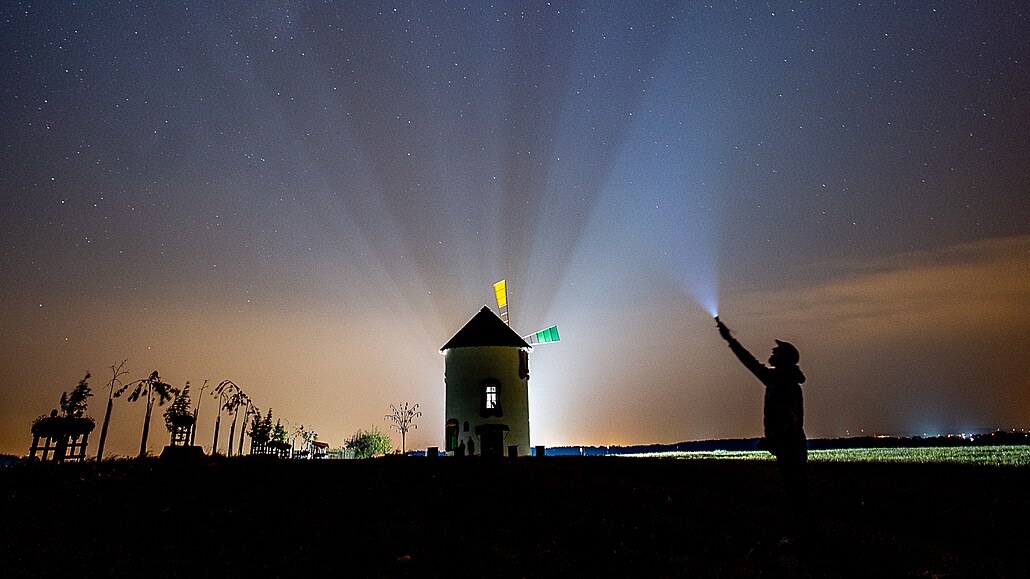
568, 516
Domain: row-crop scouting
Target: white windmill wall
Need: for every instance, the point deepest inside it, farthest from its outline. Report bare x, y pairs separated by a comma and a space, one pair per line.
465, 370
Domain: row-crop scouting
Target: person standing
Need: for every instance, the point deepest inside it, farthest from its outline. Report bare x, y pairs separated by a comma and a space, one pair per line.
784, 413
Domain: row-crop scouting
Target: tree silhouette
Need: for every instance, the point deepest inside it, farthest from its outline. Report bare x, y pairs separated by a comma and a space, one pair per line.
74, 405
116, 374
402, 419
223, 392
279, 433
150, 387
196, 413
307, 437
369, 443
278, 442
233, 404
251, 410
178, 417
261, 432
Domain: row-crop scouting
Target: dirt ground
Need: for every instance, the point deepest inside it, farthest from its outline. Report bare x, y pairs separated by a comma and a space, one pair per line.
567, 516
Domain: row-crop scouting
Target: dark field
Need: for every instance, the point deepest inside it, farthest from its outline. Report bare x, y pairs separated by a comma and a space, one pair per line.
525, 517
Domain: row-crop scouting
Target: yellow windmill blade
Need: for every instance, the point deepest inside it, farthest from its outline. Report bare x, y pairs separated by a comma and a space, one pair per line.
501, 293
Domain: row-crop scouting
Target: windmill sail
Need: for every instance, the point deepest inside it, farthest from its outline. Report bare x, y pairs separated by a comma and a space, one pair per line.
546, 336
501, 293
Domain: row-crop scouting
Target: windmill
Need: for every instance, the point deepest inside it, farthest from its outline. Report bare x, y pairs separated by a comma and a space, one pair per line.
546, 336
486, 380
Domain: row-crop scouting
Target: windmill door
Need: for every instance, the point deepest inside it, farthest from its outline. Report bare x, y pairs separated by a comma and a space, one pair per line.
491, 439
451, 435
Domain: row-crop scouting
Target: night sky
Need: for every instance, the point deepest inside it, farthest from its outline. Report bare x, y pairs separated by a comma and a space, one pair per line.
310, 199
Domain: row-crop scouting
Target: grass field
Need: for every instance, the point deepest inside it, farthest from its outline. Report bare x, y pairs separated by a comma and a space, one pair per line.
605, 516
980, 455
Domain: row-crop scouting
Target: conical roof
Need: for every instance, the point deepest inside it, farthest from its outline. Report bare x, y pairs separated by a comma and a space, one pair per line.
485, 329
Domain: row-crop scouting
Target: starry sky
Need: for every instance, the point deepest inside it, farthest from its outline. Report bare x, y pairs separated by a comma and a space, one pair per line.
310, 199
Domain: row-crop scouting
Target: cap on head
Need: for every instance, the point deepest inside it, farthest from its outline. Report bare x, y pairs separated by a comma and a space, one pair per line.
787, 352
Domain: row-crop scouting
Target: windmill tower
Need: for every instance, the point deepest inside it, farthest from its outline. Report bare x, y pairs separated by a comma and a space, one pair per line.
486, 375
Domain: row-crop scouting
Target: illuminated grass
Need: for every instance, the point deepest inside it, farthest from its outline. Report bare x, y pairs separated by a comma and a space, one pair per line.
983, 455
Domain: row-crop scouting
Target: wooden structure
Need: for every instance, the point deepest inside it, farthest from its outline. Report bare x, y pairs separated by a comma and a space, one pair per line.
280, 448
181, 429
319, 449
63, 438
276, 448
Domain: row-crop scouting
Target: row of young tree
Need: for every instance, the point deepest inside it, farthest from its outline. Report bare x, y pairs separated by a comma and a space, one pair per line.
180, 416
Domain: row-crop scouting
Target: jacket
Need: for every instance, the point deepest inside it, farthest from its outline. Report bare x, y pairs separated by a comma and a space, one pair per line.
784, 408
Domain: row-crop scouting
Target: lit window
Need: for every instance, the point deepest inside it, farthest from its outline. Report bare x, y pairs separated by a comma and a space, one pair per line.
490, 398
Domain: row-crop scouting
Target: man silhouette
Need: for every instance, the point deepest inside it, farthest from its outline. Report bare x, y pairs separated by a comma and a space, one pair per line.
784, 412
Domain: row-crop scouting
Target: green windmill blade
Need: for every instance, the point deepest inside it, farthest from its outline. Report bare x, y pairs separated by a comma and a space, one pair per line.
545, 336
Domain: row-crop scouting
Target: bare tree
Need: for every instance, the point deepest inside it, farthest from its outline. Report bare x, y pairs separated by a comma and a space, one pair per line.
223, 392
233, 405
307, 438
196, 413
116, 374
251, 410
150, 387
402, 419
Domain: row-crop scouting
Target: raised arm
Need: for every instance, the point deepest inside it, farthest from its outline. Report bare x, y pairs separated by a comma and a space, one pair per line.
750, 362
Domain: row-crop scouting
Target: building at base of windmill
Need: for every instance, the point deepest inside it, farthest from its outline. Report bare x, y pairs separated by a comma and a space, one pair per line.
486, 375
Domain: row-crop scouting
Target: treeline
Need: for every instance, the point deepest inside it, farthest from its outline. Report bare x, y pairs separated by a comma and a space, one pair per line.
65, 433
996, 438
